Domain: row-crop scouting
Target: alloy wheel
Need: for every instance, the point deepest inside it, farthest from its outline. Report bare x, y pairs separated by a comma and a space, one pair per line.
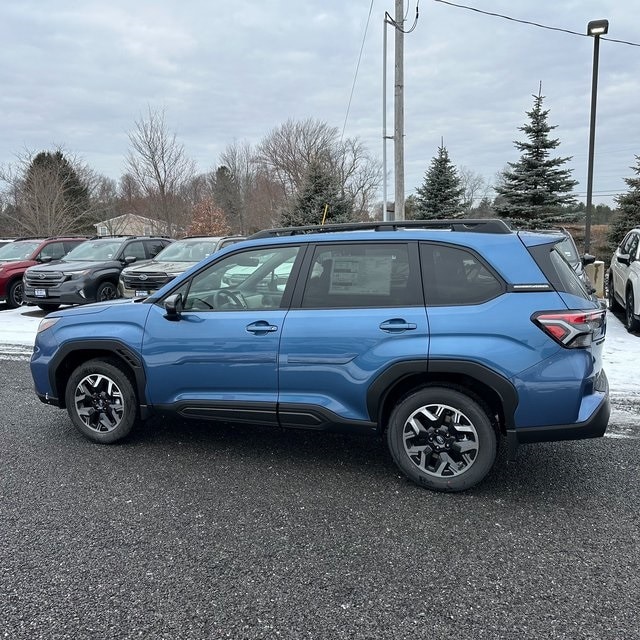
99, 403
440, 440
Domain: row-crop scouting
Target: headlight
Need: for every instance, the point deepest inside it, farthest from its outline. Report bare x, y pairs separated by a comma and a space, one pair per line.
47, 323
76, 274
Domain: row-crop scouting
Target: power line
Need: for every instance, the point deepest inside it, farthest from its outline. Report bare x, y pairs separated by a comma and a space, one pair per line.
355, 77
534, 24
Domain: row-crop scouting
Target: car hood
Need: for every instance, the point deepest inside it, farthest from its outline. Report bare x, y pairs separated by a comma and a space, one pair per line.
155, 265
95, 307
75, 265
17, 264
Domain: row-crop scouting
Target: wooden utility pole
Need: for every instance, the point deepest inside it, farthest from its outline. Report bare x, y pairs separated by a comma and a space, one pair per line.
399, 112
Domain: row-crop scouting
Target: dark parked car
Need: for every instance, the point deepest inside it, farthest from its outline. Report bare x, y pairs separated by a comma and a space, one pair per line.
140, 280
20, 254
440, 336
90, 272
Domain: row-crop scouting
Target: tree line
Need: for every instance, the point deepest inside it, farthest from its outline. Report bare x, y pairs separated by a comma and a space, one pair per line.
302, 172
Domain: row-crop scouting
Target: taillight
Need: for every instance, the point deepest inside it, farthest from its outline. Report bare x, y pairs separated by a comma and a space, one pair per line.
572, 329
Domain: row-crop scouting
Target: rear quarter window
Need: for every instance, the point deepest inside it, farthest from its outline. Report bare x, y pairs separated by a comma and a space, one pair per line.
558, 271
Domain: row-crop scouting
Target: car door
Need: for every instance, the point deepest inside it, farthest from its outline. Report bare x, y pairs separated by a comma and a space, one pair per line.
620, 263
358, 312
218, 359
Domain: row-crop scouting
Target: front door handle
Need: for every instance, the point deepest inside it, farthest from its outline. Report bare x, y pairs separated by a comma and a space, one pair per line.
261, 327
397, 325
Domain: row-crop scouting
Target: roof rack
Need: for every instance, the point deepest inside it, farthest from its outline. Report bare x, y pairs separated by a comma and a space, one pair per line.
484, 225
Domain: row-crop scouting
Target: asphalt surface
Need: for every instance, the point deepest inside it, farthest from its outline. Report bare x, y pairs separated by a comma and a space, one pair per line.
193, 530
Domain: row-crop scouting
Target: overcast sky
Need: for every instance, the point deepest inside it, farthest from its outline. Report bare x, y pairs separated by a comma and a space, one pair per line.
78, 74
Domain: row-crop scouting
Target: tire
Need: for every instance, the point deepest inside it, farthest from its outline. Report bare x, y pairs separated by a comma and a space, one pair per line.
630, 321
613, 303
49, 307
106, 291
434, 453
101, 401
15, 294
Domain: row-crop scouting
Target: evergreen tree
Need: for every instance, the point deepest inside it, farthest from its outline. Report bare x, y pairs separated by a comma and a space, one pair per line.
536, 189
440, 195
627, 213
226, 193
320, 190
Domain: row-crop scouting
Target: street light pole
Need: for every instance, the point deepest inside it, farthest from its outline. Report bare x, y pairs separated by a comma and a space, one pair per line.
595, 28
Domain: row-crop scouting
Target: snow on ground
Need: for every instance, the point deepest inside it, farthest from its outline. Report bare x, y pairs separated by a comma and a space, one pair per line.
621, 362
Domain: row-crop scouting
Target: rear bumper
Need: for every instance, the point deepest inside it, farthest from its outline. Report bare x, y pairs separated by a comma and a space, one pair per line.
593, 427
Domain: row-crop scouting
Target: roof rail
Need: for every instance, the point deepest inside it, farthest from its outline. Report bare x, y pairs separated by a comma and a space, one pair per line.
483, 225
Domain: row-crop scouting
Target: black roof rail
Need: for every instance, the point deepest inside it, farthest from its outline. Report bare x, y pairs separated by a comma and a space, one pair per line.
482, 225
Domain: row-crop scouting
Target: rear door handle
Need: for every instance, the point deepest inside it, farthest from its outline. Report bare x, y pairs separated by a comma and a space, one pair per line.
397, 325
260, 327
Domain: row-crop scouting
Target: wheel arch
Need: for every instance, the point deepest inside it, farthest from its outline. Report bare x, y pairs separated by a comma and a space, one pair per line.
481, 383
71, 355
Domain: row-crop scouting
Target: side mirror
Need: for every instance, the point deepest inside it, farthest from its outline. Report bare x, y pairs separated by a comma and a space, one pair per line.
45, 259
587, 258
173, 306
623, 258
130, 259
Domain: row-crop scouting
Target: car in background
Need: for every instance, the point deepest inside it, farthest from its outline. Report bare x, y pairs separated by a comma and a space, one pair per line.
20, 254
90, 272
624, 280
567, 247
140, 280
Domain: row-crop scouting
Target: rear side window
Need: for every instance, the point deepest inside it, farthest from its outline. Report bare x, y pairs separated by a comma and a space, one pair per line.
455, 276
361, 275
558, 271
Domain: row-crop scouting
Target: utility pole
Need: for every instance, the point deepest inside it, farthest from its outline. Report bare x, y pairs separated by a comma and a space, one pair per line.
398, 146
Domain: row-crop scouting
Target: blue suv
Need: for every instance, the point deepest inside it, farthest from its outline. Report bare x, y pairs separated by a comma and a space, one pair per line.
441, 336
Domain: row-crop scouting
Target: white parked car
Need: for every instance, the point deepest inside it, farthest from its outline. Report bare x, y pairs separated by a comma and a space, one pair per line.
624, 279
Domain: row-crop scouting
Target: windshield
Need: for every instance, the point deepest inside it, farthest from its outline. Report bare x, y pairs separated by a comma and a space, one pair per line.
568, 250
95, 250
18, 250
188, 250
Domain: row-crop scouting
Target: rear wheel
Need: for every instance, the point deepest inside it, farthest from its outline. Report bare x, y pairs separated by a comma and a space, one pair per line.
631, 322
101, 401
15, 294
442, 439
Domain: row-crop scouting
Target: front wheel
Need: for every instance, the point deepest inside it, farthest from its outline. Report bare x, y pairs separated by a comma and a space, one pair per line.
631, 322
611, 295
442, 439
15, 294
106, 291
101, 401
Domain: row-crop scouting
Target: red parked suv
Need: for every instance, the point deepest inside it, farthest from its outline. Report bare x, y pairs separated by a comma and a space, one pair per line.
17, 256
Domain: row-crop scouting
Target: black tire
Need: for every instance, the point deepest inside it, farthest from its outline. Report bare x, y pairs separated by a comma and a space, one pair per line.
630, 321
106, 291
15, 294
49, 307
101, 401
614, 305
430, 450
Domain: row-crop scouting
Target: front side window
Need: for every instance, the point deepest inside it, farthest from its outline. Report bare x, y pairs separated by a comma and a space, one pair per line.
361, 275
134, 250
455, 276
54, 250
633, 247
247, 280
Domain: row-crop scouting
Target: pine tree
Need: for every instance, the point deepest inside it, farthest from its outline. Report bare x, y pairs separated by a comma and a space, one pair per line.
536, 188
627, 213
320, 190
440, 195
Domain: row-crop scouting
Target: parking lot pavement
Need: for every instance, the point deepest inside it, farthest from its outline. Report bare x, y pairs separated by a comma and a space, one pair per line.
192, 530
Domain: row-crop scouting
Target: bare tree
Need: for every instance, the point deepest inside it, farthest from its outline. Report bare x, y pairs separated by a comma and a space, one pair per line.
474, 187
288, 151
160, 168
